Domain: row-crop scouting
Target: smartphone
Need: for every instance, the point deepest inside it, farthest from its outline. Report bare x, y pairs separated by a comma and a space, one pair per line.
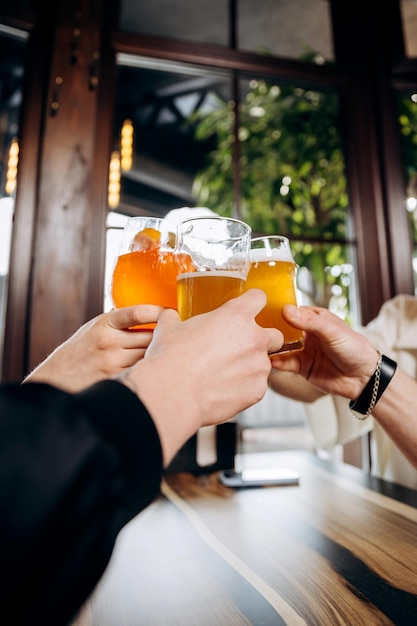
259, 477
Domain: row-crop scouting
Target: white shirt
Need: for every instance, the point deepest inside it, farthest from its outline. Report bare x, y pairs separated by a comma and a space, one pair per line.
394, 333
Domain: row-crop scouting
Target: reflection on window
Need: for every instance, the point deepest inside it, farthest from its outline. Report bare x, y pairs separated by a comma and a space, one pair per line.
196, 20
287, 29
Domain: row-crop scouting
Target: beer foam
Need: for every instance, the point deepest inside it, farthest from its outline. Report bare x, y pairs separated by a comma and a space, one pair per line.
274, 254
211, 274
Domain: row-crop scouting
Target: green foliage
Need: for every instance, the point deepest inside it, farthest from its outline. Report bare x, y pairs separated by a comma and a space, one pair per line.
292, 174
407, 119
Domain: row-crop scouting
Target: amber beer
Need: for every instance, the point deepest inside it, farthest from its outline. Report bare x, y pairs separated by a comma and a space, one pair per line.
199, 292
273, 270
219, 250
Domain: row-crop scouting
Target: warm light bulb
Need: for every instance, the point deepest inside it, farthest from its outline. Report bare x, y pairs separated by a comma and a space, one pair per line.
12, 163
113, 189
126, 145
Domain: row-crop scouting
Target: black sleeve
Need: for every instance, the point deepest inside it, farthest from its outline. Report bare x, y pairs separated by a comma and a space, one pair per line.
74, 469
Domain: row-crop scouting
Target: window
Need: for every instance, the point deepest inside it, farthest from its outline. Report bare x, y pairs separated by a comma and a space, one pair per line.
407, 116
273, 27
12, 52
259, 149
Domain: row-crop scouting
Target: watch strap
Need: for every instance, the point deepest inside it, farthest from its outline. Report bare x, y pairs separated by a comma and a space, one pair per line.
363, 406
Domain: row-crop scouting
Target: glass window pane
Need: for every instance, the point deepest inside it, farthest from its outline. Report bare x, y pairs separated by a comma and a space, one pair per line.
288, 28
409, 22
292, 178
12, 53
199, 20
407, 107
161, 100
284, 174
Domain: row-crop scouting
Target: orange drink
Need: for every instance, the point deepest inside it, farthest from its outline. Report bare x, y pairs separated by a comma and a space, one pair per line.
273, 270
219, 250
145, 272
145, 276
199, 292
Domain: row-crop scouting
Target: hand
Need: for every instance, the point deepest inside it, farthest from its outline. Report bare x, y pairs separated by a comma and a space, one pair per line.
204, 370
335, 359
101, 348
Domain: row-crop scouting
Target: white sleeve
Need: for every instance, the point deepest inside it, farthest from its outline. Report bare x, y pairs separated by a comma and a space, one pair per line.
331, 422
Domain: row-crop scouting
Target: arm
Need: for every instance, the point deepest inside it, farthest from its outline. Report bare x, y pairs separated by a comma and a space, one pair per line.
292, 386
101, 348
74, 469
217, 361
341, 361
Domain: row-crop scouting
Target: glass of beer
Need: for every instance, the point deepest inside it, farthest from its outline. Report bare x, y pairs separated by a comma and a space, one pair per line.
219, 249
145, 271
273, 270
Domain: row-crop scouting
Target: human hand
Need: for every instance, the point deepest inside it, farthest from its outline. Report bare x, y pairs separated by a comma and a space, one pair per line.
204, 370
336, 359
101, 348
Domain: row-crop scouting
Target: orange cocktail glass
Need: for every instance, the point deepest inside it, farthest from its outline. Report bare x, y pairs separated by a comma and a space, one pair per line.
145, 271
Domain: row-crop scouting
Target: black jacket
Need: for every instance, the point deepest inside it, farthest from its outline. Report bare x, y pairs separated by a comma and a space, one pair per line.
74, 469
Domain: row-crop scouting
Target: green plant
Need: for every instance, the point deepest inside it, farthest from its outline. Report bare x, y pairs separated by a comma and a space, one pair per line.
291, 176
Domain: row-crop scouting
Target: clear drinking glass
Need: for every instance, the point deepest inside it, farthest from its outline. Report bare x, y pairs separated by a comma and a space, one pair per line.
219, 250
273, 270
145, 271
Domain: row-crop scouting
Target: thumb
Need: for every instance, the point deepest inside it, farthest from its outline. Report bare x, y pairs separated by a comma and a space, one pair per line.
168, 316
132, 315
316, 320
294, 315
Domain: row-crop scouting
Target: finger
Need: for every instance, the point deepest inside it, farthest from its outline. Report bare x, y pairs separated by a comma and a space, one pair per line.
134, 315
276, 340
286, 362
166, 318
130, 357
252, 301
137, 339
308, 317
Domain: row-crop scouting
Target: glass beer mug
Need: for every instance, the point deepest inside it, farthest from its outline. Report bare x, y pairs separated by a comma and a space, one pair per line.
219, 251
273, 270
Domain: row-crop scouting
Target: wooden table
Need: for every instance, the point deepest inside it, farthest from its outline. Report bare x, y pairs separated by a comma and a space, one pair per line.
339, 548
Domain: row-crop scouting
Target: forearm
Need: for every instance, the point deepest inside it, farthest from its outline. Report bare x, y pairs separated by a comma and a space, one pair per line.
79, 469
293, 386
396, 412
176, 420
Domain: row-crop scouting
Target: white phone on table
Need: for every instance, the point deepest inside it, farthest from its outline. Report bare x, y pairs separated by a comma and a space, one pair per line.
259, 477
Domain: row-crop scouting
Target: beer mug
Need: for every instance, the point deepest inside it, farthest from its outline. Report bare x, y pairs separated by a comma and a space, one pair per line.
218, 248
272, 269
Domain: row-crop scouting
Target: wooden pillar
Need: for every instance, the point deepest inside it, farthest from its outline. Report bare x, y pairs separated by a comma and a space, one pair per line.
62, 261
